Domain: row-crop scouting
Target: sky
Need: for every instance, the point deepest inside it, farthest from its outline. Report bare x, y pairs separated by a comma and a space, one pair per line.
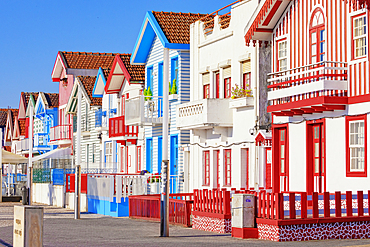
32, 33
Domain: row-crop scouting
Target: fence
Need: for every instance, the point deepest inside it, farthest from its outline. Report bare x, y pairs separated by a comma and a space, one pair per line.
300, 205
212, 201
148, 207
70, 183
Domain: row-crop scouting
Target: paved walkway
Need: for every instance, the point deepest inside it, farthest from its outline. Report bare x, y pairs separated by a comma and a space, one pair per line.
60, 229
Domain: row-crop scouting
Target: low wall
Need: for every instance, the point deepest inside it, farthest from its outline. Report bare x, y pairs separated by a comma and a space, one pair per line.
105, 207
70, 201
347, 229
49, 194
211, 223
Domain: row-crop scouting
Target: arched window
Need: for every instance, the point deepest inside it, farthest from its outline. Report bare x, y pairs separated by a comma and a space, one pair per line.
317, 37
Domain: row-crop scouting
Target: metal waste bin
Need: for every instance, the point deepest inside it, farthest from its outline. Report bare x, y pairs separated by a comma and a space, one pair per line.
24, 195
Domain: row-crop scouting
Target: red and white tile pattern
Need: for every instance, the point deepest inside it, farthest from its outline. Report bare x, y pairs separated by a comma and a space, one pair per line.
210, 224
338, 230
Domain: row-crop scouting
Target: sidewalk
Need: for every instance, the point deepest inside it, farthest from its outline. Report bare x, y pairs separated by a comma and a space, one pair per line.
60, 229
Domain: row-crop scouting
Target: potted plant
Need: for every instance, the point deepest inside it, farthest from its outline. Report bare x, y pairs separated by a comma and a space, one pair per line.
154, 182
241, 97
172, 90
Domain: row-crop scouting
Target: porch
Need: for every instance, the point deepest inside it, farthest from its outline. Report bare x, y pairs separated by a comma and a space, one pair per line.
144, 110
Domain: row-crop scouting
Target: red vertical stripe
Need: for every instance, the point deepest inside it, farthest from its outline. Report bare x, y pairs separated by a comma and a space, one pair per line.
298, 36
359, 78
365, 81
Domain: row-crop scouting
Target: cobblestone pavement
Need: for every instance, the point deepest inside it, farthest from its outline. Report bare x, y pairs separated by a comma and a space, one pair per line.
60, 229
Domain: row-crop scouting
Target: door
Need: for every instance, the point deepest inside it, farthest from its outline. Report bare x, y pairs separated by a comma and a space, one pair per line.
123, 159
316, 156
317, 37
283, 171
218, 163
160, 89
149, 155
174, 152
217, 85
160, 140
268, 155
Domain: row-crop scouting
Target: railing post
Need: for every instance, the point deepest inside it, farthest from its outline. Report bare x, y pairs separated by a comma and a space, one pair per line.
360, 203
292, 205
268, 208
338, 204
349, 202
315, 206
303, 205
226, 202
259, 204
279, 206
326, 204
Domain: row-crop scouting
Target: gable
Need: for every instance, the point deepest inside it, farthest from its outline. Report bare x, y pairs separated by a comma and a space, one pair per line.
31, 103
59, 67
16, 131
117, 77
40, 106
73, 99
99, 85
22, 107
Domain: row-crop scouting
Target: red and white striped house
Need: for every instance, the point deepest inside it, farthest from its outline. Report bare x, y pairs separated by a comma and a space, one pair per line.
319, 91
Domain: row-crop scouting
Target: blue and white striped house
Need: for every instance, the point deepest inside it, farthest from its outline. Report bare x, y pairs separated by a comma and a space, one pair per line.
160, 31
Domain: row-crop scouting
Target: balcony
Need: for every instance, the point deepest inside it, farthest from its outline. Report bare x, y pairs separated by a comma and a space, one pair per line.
61, 135
118, 129
314, 88
40, 142
204, 114
139, 111
101, 120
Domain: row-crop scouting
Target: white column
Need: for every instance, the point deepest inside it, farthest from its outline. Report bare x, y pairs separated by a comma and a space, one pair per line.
30, 149
166, 78
221, 76
78, 160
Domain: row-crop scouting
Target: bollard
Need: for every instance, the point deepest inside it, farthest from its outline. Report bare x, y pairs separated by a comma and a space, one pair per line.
24, 195
28, 226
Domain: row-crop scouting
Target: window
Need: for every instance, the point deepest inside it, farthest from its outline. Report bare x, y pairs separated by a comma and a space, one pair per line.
282, 55
359, 36
175, 70
109, 152
227, 88
317, 37
206, 179
356, 146
206, 91
227, 167
149, 78
246, 69
206, 86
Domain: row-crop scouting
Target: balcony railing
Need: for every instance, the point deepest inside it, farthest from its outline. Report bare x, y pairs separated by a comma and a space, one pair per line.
61, 132
204, 113
314, 81
41, 140
117, 128
25, 144
100, 119
144, 110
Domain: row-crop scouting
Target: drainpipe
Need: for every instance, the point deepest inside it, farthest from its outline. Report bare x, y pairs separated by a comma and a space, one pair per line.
256, 108
30, 148
78, 161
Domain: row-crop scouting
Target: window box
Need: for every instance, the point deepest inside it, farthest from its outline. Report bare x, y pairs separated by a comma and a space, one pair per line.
241, 102
172, 97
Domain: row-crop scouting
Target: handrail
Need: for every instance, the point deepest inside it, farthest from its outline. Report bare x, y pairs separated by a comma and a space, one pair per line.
216, 12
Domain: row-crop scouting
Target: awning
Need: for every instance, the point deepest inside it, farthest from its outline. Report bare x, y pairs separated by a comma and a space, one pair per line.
55, 154
11, 158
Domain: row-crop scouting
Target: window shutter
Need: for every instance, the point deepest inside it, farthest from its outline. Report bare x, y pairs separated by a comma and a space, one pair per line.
205, 78
227, 72
246, 66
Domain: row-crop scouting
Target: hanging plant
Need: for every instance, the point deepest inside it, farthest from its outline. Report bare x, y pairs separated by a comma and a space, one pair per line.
237, 92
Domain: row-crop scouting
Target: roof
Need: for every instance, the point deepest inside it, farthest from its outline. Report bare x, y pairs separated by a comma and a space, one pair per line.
172, 30
3, 116
87, 60
176, 26
27, 95
52, 99
137, 72
88, 83
14, 114
22, 127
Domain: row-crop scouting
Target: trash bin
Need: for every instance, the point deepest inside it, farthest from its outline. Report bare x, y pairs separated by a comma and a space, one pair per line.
24, 195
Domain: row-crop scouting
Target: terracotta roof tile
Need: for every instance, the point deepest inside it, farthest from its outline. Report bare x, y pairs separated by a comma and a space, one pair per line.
87, 60
14, 114
106, 73
137, 72
8, 148
22, 127
176, 26
53, 99
3, 116
26, 96
88, 83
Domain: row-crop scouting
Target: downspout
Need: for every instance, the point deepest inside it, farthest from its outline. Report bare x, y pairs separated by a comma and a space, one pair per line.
256, 96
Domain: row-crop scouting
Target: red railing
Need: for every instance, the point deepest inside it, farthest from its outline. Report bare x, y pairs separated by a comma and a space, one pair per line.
148, 207
214, 201
70, 183
300, 205
118, 128
61, 132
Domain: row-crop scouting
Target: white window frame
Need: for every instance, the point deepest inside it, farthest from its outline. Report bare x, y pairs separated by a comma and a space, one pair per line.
109, 152
362, 37
285, 57
359, 145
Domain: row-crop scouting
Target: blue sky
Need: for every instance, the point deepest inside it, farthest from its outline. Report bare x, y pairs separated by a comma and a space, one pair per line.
32, 32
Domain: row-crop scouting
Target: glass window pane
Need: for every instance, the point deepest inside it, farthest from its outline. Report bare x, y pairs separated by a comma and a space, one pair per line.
282, 152
317, 149
282, 168
317, 165
313, 38
313, 50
